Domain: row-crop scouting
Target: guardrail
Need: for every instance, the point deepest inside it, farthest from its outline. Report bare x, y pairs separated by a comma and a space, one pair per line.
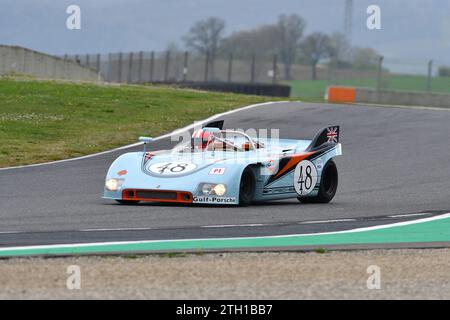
338, 94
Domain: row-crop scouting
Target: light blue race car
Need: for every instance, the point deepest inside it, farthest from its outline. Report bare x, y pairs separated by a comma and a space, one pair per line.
228, 167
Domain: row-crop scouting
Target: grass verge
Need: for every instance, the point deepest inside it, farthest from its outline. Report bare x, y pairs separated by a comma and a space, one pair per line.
47, 120
315, 90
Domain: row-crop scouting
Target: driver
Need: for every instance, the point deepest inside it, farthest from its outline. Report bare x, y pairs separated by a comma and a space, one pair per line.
199, 139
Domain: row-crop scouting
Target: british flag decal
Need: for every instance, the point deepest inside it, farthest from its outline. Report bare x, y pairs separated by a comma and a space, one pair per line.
333, 134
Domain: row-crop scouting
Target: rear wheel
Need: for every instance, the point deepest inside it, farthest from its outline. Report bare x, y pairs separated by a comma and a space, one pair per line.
127, 202
328, 185
247, 187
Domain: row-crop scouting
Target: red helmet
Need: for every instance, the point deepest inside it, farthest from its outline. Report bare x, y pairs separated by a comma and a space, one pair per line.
200, 139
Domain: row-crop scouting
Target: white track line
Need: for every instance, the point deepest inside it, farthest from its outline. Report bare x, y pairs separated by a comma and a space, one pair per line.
237, 225
189, 127
409, 215
327, 221
73, 159
219, 225
358, 230
115, 229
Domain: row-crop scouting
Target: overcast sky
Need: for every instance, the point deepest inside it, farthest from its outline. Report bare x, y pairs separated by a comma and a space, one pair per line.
413, 31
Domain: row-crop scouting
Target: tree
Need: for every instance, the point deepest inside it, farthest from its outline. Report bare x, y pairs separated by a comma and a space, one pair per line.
444, 71
263, 40
365, 58
205, 37
291, 29
314, 48
340, 49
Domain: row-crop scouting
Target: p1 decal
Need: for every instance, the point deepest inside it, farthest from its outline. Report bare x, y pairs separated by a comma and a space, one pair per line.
217, 171
305, 177
172, 168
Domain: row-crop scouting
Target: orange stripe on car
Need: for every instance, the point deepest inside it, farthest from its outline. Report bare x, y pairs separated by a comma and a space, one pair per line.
295, 159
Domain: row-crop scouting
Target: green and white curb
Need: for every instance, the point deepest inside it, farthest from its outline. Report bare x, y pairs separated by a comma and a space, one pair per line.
427, 230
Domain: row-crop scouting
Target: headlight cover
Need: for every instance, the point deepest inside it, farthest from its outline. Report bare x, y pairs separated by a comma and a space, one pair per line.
113, 184
213, 189
220, 189
207, 188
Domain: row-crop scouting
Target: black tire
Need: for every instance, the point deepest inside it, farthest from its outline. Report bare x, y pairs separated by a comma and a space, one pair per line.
127, 202
328, 185
247, 187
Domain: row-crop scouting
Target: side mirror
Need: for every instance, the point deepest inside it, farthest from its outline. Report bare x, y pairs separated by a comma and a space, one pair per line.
145, 139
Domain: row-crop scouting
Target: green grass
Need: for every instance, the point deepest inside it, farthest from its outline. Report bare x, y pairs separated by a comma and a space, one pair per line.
46, 120
315, 90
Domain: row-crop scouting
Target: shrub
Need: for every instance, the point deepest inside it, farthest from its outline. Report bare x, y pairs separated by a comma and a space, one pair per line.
444, 71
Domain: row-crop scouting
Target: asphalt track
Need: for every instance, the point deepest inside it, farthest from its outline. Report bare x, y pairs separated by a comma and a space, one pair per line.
395, 168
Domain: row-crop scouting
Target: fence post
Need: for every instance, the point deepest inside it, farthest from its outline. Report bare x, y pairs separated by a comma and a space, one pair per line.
330, 70
206, 67
109, 75
430, 73
97, 63
252, 71
109, 70
230, 66
274, 68
87, 60
185, 68
140, 66
166, 67
130, 67
380, 70
77, 60
120, 67
152, 65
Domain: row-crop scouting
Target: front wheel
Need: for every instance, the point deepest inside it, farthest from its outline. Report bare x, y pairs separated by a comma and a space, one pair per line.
247, 187
328, 185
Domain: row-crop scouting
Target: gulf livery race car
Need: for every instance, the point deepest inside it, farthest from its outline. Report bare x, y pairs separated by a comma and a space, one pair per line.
224, 167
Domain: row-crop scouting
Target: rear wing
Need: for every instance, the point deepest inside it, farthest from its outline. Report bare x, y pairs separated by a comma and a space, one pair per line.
326, 137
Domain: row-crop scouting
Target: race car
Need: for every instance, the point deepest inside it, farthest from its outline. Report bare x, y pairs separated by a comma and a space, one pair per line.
228, 167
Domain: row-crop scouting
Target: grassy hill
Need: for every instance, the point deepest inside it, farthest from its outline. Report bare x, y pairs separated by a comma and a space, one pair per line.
47, 120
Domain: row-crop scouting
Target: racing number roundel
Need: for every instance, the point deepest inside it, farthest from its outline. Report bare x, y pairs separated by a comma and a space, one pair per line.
172, 168
305, 177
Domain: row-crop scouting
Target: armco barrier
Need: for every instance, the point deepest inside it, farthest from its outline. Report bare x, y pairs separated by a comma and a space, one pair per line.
18, 60
341, 94
260, 89
337, 94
